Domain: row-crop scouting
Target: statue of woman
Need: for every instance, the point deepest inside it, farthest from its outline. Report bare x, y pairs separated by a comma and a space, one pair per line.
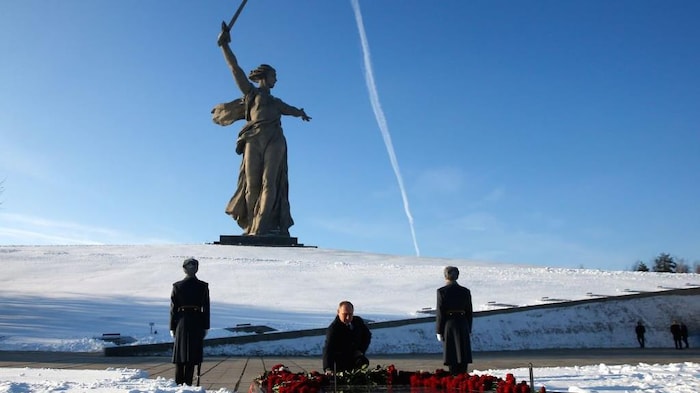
261, 203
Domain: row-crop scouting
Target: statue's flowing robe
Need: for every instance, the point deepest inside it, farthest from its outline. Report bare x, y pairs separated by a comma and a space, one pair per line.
260, 204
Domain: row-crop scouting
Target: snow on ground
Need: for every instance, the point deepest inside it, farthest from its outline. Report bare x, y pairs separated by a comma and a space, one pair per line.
59, 298
642, 378
23, 380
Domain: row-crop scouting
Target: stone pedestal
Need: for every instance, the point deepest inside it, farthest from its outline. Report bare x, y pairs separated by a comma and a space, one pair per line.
268, 241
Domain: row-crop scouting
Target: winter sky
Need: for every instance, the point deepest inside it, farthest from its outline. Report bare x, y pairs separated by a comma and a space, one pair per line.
552, 133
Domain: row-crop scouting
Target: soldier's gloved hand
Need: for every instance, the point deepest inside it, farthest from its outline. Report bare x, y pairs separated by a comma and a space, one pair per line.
205, 332
172, 333
439, 337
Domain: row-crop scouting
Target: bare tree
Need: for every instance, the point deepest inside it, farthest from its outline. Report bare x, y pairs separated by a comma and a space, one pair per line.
682, 266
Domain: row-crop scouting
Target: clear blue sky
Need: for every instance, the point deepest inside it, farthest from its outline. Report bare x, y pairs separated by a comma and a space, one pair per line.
561, 133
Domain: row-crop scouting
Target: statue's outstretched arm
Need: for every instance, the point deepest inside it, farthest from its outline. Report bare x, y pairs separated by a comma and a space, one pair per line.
289, 110
238, 74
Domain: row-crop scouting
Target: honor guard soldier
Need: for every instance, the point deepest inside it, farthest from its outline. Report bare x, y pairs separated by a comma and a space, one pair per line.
189, 322
453, 320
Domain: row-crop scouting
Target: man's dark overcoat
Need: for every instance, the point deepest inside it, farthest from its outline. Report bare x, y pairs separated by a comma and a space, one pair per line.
676, 332
345, 347
453, 320
189, 318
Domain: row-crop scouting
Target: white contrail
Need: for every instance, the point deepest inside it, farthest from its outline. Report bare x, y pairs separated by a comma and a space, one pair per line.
379, 114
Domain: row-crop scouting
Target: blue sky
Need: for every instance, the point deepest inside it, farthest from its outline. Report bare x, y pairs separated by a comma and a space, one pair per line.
561, 133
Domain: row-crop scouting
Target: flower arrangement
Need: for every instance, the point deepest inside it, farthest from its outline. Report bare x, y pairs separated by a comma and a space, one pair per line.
280, 380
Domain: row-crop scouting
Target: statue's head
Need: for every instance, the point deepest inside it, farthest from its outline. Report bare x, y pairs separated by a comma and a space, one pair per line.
263, 72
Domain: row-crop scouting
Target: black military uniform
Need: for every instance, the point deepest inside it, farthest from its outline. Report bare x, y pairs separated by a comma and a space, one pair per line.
189, 322
453, 322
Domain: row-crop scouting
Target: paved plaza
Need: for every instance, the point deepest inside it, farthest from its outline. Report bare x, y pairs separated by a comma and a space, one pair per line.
236, 373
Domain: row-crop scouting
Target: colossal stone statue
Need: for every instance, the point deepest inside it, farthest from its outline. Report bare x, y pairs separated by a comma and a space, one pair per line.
260, 204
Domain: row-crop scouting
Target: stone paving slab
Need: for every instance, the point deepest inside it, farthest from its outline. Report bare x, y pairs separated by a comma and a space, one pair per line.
236, 373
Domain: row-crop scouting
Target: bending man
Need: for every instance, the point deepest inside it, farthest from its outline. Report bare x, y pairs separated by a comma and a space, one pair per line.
347, 340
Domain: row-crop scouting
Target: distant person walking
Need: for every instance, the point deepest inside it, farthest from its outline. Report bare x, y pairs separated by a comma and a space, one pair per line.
640, 330
684, 334
189, 322
676, 332
453, 322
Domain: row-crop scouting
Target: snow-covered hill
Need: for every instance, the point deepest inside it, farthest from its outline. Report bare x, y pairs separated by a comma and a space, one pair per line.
60, 297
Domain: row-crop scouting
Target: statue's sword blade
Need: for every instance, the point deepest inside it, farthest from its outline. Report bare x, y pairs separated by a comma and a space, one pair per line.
235, 16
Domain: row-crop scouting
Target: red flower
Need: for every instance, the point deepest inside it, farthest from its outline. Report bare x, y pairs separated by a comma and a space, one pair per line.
390, 374
280, 380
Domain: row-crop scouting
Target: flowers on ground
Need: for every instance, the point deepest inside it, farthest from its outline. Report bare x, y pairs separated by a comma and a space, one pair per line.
280, 380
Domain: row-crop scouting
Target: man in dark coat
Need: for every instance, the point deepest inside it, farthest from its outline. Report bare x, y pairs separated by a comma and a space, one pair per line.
347, 340
676, 332
189, 322
640, 330
453, 322
684, 334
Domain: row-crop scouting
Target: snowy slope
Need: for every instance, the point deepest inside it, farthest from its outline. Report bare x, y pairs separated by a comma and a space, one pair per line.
60, 297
